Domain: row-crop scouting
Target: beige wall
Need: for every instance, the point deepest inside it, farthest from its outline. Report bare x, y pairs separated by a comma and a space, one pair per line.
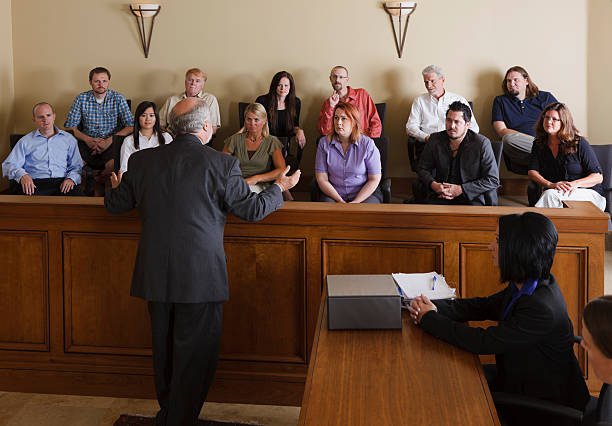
7, 96
240, 47
599, 67
51, 46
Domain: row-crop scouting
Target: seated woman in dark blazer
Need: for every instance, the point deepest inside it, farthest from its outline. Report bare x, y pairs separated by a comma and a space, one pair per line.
533, 341
347, 165
597, 341
562, 162
283, 108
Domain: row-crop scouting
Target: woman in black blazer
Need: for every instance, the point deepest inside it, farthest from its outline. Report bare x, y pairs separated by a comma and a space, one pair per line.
533, 341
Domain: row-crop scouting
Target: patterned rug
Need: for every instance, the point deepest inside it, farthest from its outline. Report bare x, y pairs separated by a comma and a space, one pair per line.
129, 420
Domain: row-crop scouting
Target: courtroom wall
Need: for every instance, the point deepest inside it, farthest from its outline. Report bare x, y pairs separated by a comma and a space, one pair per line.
599, 66
241, 44
7, 95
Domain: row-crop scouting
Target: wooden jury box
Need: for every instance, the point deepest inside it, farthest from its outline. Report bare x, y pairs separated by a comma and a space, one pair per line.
363, 302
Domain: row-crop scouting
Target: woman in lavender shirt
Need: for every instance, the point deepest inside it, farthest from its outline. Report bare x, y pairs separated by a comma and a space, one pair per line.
347, 165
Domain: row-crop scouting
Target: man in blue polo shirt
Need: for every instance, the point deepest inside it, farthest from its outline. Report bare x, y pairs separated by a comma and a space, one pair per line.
45, 161
101, 113
515, 114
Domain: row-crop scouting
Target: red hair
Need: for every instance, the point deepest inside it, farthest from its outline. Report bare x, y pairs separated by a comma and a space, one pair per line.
353, 113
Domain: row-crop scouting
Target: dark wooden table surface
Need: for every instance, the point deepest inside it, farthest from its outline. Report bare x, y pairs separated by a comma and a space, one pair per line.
392, 377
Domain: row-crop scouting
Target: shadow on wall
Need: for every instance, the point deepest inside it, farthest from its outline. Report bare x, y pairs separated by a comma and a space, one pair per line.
487, 82
158, 78
397, 83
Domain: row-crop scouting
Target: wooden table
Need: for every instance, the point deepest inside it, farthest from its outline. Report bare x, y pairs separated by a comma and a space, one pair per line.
392, 377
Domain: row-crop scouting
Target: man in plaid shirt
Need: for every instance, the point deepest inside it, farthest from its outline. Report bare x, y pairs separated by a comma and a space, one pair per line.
94, 117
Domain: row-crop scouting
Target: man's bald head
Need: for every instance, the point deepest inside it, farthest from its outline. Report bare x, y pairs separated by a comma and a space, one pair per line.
189, 116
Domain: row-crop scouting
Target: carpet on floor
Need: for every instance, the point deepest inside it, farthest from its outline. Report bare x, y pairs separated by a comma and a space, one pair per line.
131, 420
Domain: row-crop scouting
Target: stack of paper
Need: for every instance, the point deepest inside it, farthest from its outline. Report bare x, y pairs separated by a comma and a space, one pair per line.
430, 284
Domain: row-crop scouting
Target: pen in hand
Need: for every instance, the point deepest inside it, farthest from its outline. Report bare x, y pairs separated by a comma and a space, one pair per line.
433, 282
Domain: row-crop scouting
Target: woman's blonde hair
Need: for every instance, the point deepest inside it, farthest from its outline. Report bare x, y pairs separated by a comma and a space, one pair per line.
259, 111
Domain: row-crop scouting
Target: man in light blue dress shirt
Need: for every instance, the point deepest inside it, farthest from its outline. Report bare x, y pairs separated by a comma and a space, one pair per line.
47, 160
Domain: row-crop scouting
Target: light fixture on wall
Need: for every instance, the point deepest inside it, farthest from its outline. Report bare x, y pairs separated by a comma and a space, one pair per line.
398, 10
142, 11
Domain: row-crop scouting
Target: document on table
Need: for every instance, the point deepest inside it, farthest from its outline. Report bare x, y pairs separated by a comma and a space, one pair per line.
430, 284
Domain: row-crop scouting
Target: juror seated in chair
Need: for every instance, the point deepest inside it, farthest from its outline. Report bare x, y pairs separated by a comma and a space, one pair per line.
45, 161
147, 133
562, 162
347, 166
457, 165
260, 154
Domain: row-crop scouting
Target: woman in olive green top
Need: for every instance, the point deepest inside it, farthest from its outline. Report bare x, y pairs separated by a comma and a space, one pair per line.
260, 154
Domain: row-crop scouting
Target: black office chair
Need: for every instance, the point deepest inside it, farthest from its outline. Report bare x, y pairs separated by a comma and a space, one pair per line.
604, 156
598, 411
291, 160
14, 187
491, 198
524, 407
381, 109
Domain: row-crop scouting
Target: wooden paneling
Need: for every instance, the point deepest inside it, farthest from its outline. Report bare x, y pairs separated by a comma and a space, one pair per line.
100, 316
68, 317
380, 257
265, 317
24, 290
570, 271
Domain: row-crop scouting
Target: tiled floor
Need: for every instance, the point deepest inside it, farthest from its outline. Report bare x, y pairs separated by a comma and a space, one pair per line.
21, 409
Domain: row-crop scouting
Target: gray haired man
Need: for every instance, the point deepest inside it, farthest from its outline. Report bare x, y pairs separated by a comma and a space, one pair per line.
184, 192
428, 113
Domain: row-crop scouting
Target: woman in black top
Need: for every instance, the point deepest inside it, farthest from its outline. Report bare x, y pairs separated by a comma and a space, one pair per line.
533, 340
283, 108
562, 162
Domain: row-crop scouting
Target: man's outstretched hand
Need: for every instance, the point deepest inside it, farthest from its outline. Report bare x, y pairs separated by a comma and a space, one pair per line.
288, 182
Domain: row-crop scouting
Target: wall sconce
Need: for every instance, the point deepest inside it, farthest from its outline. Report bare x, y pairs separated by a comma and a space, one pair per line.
399, 9
142, 11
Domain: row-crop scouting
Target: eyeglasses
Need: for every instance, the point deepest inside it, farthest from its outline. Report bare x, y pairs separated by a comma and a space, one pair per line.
555, 119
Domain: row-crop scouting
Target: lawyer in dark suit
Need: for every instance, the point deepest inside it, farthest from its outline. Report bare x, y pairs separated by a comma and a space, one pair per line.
458, 166
184, 191
533, 341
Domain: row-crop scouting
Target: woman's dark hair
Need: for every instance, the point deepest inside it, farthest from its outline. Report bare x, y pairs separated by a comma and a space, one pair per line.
597, 317
527, 245
272, 102
140, 109
568, 134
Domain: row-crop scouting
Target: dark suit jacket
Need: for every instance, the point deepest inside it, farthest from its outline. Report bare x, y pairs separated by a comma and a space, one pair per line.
477, 165
533, 345
184, 191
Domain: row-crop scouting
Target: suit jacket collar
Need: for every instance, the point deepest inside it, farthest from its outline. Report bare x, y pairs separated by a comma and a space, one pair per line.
187, 138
